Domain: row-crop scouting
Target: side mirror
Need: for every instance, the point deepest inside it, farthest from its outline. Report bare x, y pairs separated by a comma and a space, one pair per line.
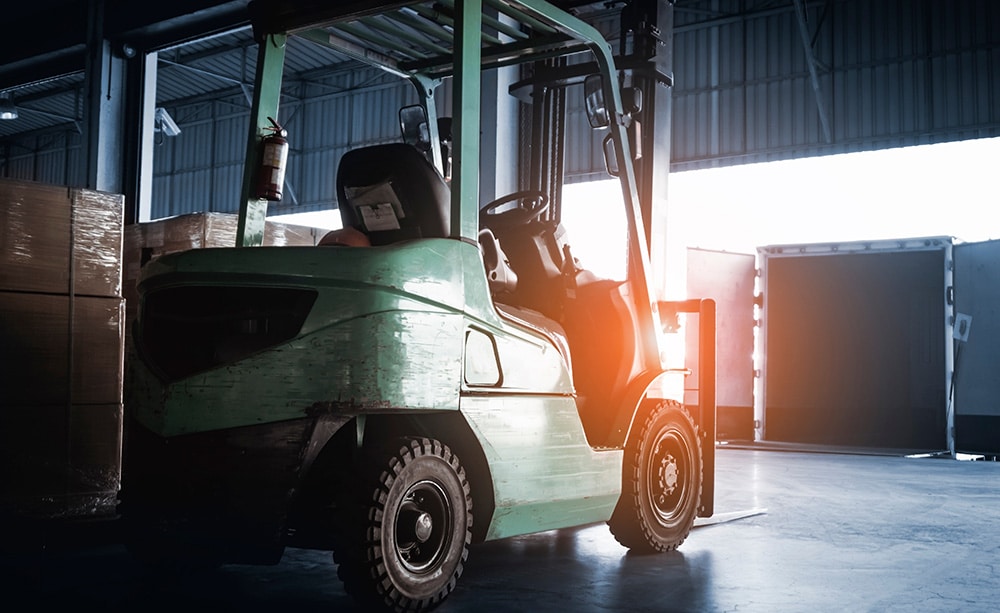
413, 124
593, 95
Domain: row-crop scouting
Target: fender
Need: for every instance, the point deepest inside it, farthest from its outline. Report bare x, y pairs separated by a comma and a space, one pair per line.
656, 385
648, 384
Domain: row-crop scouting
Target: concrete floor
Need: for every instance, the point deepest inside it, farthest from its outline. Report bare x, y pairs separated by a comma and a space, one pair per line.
841, 533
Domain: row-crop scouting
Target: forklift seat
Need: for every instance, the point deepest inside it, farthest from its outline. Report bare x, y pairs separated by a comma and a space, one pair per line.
392, 193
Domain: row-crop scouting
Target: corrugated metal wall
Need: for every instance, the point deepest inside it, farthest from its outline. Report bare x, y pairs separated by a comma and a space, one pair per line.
890, 73
51, 157
201, 169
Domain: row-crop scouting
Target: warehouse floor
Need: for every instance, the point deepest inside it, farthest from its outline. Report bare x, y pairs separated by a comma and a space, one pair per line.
841, 533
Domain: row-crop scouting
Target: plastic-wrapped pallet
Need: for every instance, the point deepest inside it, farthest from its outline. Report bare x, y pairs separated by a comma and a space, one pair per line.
61, 317
60, 240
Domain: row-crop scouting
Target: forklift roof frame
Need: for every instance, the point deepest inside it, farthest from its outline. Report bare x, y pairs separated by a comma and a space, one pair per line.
425, 42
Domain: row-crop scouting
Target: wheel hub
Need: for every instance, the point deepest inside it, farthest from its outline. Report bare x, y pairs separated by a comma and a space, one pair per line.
420, 541
668, 474
424, 527
666, 480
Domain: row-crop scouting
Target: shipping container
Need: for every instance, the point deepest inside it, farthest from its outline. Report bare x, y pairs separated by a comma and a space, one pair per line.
856, 344
976, 389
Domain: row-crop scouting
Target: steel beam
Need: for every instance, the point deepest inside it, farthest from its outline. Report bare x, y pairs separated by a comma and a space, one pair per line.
800, 14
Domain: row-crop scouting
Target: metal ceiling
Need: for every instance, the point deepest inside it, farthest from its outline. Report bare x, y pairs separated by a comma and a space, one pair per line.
215, 66
756, 79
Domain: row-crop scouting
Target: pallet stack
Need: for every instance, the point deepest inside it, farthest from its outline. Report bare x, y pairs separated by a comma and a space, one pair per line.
61, 337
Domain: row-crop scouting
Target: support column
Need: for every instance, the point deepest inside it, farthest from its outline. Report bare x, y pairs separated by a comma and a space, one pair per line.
140, 111
499, 149
103, 132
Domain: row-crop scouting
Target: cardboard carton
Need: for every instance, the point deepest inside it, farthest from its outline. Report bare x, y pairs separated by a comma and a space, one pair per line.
60, 460
60, 240
60, 349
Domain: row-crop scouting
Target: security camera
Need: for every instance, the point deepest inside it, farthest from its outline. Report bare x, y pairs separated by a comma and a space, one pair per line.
165, 123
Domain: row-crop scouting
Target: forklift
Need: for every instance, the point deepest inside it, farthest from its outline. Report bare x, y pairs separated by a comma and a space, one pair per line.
436, 374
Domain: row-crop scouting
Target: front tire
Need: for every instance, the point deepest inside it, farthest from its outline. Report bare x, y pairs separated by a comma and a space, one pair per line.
408, 545
661, 482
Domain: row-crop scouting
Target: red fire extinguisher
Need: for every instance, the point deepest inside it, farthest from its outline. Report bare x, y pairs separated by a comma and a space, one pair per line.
273, 160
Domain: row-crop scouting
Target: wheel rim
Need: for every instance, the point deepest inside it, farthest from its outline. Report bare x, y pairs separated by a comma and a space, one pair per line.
668, 480
423, 521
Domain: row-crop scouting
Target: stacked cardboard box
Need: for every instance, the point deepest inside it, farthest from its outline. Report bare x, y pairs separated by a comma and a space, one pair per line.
61, 330
149, 240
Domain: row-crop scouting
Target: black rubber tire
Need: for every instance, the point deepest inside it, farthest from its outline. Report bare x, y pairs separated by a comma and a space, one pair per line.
407, 543
661, 481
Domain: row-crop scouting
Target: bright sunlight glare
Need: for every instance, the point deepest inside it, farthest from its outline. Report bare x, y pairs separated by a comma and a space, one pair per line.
327, 220
947, 189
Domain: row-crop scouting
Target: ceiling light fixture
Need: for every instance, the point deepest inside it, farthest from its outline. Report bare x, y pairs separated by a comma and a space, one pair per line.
7, 108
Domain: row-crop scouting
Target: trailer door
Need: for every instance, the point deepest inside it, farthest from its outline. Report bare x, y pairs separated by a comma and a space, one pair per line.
976, 388
727, 278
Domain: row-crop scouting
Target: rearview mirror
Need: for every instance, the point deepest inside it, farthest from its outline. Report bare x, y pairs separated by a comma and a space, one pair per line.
413, 124
597, 110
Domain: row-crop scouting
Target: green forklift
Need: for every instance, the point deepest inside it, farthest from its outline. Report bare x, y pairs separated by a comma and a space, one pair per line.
440, 374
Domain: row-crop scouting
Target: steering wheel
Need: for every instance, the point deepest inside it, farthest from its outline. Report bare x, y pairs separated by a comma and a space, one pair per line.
490, 218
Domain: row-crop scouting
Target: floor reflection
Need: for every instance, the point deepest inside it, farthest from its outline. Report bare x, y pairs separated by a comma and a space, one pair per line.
581, 569
842, 533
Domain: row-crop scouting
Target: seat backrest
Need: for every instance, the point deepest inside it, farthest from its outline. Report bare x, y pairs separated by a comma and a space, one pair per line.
392, 193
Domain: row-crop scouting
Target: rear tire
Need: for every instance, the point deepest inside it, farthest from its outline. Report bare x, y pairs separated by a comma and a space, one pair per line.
408, 541
661, 482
